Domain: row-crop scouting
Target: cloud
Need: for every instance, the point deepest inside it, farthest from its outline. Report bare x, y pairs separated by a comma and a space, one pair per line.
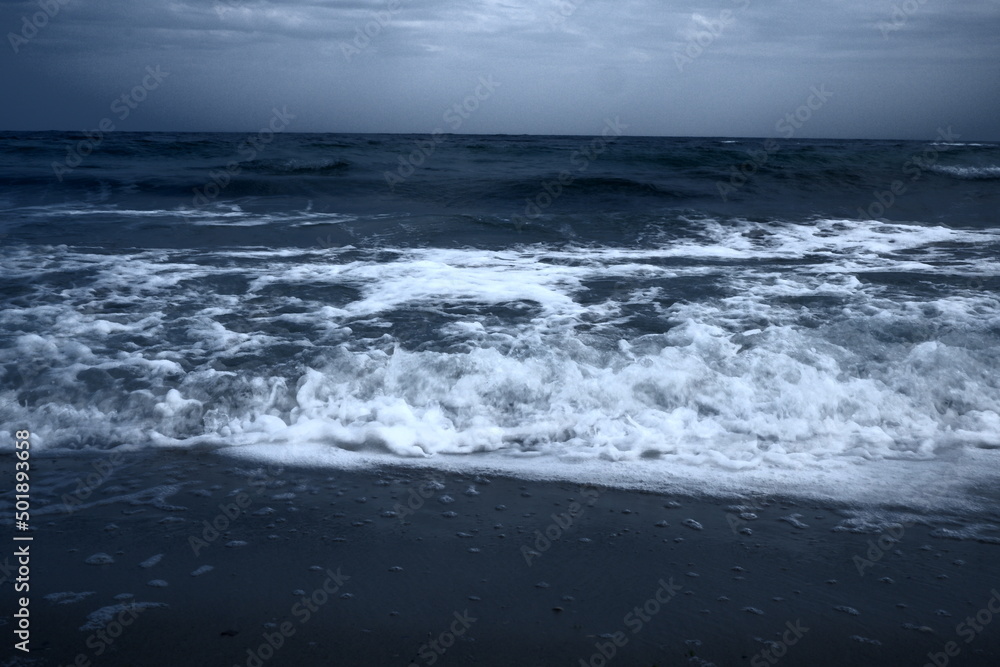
568, 63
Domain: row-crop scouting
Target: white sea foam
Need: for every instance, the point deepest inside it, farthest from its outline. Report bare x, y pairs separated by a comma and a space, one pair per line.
808, 377
968, 173
956, 143
215, 214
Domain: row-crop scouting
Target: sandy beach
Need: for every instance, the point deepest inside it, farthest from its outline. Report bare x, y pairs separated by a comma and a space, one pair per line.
185, 558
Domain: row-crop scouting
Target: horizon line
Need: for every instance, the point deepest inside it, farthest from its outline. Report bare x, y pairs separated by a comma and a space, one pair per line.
503, 134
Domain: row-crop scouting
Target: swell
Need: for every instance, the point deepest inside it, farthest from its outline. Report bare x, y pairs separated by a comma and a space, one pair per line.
985, 173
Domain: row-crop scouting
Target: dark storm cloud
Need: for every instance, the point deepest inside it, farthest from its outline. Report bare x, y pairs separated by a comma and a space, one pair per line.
687, 67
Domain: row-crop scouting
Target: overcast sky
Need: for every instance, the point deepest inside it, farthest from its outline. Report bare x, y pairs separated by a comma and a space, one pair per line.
892, 69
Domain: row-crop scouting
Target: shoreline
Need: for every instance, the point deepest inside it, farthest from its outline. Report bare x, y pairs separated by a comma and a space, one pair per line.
391, 566
966, 484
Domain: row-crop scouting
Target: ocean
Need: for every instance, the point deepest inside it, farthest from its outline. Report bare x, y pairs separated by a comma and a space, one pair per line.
772, 316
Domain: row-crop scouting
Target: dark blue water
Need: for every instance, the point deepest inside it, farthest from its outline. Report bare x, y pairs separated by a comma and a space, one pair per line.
665, 307
466, 190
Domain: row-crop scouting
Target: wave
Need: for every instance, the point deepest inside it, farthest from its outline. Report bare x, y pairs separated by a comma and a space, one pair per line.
968, 173
569, 356
963, 145
589, 186
298, 166
494, 176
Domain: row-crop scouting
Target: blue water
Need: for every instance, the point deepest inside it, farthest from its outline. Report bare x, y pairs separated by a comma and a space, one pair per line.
638, 308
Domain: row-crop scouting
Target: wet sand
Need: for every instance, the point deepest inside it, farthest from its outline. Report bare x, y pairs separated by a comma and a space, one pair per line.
401, 567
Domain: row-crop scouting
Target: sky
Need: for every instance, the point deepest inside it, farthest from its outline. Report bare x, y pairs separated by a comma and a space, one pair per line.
880, 69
